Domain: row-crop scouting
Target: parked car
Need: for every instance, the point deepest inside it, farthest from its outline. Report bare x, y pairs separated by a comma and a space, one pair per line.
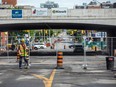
39, 46
2, 48
79, 48
74, 46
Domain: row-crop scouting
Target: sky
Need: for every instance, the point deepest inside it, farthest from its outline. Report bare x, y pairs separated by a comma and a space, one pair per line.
62, 3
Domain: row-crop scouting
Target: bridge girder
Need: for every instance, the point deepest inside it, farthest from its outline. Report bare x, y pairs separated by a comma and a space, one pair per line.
30, 26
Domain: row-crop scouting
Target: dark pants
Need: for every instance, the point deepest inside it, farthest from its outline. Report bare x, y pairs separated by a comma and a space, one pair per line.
25, 60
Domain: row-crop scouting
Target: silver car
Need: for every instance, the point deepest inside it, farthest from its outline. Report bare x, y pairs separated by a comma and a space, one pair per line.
39, 46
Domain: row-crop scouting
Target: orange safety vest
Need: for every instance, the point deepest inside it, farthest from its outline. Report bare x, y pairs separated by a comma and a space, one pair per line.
22, 50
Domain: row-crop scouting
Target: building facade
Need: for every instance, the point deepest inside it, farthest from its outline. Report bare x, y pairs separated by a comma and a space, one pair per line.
49, 5
9, 2
3, 38
94, 5
106, 4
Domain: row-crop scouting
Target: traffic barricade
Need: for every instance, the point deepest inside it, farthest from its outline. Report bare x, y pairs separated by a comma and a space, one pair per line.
59, 60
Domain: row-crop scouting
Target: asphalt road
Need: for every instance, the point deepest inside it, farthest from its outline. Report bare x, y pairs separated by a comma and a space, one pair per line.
42, 72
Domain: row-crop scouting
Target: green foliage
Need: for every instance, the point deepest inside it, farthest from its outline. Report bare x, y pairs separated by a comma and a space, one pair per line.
32, 32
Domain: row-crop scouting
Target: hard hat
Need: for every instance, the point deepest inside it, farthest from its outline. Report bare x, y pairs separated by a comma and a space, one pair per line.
22, 40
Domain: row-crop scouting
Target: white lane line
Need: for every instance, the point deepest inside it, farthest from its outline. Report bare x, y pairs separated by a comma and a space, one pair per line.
22, 77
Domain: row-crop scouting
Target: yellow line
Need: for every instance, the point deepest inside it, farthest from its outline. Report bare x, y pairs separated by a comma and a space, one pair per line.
47, 82
40, 77
52, 75
51, 79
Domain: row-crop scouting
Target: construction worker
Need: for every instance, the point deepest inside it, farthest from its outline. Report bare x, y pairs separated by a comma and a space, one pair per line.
22, 50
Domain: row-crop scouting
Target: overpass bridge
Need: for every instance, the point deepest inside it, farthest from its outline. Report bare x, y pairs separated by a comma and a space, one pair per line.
100, 19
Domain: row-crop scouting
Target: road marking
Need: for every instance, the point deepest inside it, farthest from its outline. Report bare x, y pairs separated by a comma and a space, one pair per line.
104, 81
23, 77
47, 81
0, 82
1, 73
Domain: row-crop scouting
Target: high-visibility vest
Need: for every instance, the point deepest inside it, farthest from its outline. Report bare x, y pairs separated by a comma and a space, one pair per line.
23, 50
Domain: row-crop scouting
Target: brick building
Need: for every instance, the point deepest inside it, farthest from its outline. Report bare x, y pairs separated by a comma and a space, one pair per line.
3, 38
9, 2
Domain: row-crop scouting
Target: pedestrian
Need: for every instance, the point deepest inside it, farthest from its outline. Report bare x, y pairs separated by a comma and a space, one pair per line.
22, 50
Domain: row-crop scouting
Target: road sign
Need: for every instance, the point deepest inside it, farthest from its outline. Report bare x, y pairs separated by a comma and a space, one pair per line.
16, 13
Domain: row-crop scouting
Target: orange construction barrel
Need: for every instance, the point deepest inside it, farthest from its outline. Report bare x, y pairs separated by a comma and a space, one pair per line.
60, 60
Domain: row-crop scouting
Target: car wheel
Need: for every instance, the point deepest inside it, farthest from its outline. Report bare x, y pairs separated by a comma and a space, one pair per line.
71, 47
35, 48
42, 47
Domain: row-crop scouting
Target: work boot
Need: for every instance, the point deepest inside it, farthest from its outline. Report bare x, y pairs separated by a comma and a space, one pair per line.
27, 67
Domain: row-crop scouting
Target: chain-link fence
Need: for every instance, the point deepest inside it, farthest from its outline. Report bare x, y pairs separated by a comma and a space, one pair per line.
43, 47
61, 43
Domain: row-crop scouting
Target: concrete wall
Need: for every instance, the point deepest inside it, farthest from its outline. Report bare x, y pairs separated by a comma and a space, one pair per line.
5, 13
91, 13
89, 16
8, 13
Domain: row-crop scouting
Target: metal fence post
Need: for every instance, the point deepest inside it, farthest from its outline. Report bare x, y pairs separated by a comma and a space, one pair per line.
111, 46
85, 59
7, 49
